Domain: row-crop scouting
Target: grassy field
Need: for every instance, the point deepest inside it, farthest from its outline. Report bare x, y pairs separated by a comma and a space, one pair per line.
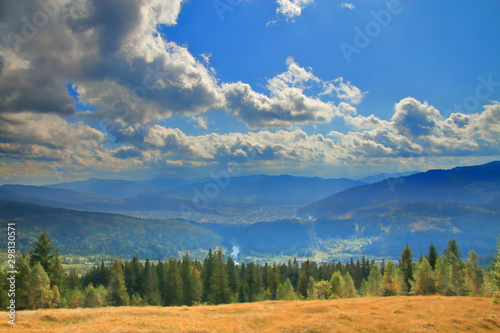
388, 314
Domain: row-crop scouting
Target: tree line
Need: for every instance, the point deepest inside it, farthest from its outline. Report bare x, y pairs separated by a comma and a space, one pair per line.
42, 283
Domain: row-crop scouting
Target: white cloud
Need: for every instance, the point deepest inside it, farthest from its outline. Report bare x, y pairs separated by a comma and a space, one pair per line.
291, 9
347, 5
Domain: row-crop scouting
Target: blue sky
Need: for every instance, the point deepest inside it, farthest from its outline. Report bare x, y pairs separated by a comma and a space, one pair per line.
143, 89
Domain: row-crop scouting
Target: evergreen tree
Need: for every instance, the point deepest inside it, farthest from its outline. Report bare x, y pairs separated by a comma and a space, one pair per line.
443, 276
192, 288
424, 279
452, 249
432, 256
457, 268
406, 266
303, 283
390, 280
473, 275
232, 273
117, 292
285, 291
74, 298
72, 281
273, 280
23, 282
337, 284
255, 282
349, 289
95, 297
219, 291
56, 271
41, 296
374, 284
311, 289
206, 274
41, 251
173, 284
151, 290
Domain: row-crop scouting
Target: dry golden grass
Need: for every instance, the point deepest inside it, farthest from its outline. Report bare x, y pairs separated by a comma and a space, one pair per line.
388, 314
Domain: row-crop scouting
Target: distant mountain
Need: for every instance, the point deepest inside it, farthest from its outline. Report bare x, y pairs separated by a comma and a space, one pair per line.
385, 176
88, 233
469, 186
54, 197
267, 190
461, 203
121, 189
219, 196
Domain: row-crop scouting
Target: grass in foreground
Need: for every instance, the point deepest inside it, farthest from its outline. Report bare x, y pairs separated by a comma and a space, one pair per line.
388, 314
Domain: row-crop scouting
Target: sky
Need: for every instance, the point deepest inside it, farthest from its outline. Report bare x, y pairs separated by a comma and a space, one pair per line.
136, 89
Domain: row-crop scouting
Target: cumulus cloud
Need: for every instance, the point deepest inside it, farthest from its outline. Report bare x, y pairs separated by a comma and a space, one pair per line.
131, 79
112, 53
418, 129
290, 9
288, 104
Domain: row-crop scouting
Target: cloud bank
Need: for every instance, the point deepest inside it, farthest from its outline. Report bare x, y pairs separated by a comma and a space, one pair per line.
131, 79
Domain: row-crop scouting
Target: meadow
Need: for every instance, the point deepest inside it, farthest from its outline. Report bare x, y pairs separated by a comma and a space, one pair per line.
370, 314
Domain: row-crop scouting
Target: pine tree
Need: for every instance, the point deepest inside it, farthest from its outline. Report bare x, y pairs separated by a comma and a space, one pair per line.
95, 297
457, 275
443, 276
406, 266
390, 280
473, 275
285, 291
374, 284
219, 291
349, 289
273, 280
192, 288
424, 279
151, 290
23, 282
452, 249
117, 292
172, 281
74, 298
41, 296
41, 251
206, 274
71, 280
337, 284
311, 289
56, 271
303, 283
432, 256
91, 297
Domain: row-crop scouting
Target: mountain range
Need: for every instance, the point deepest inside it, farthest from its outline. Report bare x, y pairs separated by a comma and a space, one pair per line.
348, 218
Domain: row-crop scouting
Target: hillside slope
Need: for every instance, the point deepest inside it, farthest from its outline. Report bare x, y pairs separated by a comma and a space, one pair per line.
477, 186
89, 233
